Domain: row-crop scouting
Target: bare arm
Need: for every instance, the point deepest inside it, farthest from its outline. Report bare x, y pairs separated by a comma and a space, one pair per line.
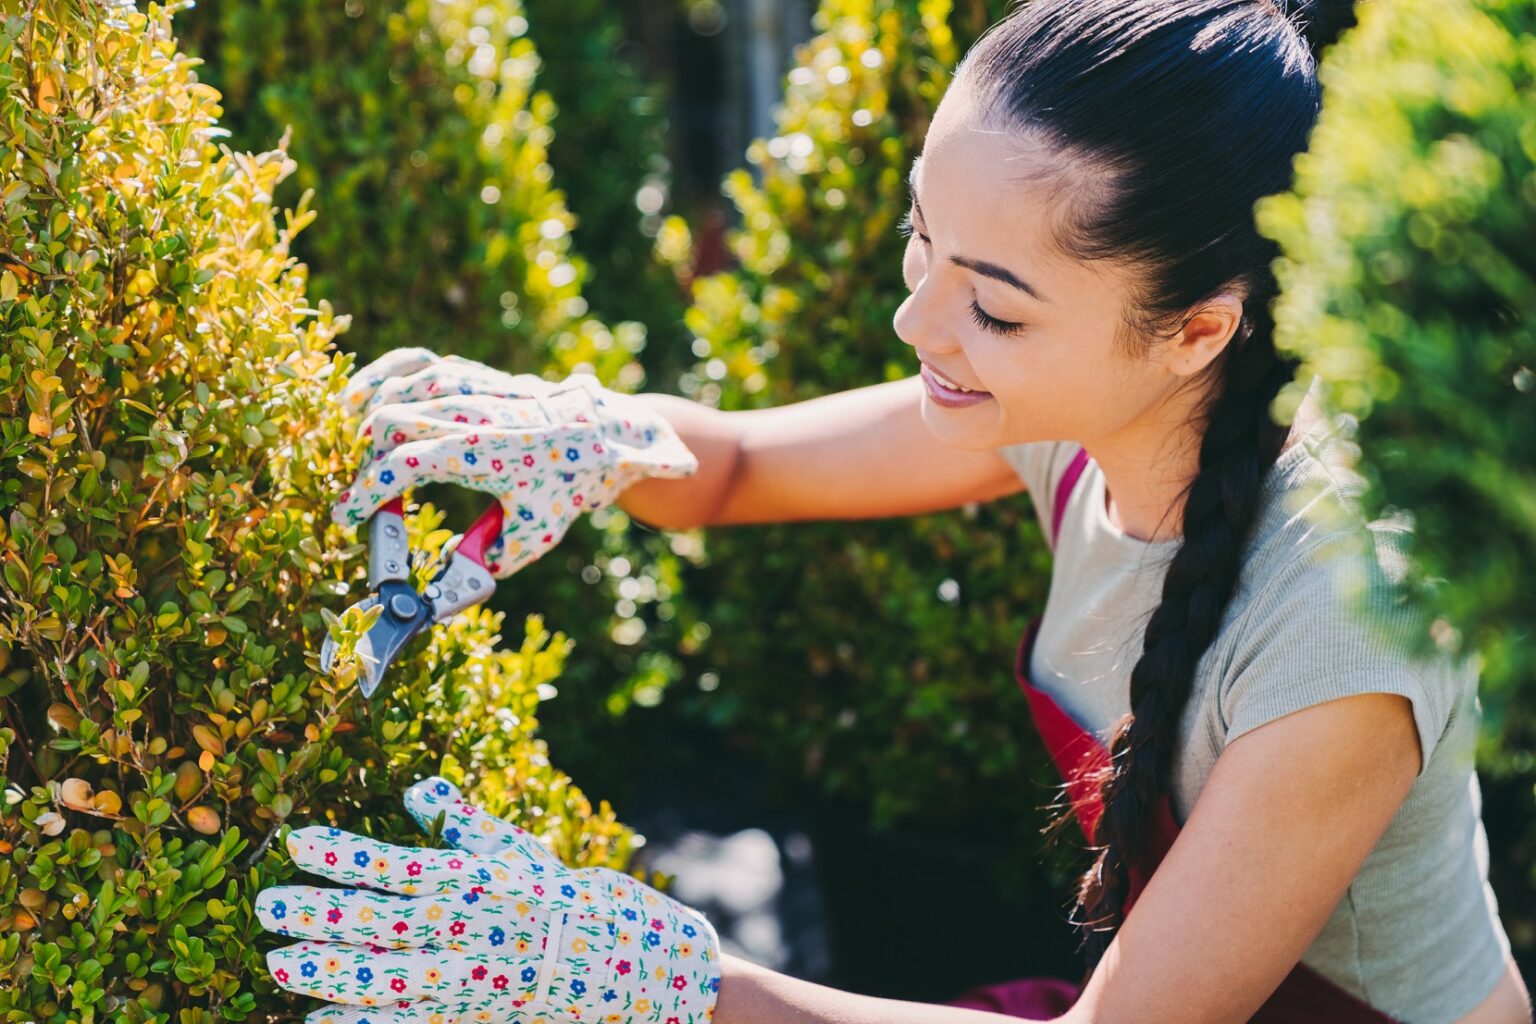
1259, 865
750, 994
858, 454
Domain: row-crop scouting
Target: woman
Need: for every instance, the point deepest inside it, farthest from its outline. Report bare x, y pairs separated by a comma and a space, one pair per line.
1083, 265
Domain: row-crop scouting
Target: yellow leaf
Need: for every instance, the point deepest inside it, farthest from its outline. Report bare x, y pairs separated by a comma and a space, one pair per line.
47, 95
207, 739
40, 424
204, 819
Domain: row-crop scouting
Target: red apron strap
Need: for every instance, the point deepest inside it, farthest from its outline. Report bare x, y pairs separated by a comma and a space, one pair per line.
1064, 490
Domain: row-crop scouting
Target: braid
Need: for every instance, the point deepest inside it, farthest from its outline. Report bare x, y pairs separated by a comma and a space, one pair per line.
1240, 444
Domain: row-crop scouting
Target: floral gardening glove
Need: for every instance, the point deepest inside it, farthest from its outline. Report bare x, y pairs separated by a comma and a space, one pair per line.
548, 450
501, 932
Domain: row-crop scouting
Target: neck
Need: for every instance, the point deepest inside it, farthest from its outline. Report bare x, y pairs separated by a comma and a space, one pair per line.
1146, 468
1148, 465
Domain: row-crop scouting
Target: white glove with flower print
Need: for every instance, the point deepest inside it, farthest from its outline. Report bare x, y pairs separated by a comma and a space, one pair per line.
549, 450
498, 932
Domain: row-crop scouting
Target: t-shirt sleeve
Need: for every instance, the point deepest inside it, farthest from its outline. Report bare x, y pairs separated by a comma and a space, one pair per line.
1331, 627
1040, 464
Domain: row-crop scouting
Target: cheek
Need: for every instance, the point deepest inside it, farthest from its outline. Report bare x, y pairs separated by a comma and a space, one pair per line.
1059, 383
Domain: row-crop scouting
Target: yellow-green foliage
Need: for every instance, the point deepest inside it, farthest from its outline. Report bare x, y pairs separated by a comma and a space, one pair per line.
401, 114
872, 658
169, 444
1409, 281
418, 126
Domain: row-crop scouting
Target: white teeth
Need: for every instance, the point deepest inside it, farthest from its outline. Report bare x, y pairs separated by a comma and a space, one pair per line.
947, 382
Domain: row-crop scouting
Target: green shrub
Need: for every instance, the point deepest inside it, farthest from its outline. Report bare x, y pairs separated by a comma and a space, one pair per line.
400, 113
871, 658
418, 126
1409, 281
169, 443
1409, 286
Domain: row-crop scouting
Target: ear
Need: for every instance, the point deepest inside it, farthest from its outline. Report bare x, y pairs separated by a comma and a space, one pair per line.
1205, 335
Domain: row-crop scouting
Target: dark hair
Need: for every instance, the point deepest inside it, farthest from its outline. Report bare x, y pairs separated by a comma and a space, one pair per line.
1186, 112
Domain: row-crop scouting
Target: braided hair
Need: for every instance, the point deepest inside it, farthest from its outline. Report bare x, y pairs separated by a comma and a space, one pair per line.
1192, 110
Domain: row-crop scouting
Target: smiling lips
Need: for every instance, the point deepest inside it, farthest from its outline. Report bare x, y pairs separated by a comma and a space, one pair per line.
952, 385
941, 391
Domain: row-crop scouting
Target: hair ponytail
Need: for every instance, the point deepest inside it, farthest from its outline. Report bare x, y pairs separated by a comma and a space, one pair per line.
1193, 110
1241, 443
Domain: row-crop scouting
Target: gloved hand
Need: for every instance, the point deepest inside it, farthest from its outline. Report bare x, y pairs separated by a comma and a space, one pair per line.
548, 450
501, 933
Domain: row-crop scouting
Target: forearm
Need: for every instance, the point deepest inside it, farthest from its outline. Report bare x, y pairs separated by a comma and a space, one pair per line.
676, 504
750, 994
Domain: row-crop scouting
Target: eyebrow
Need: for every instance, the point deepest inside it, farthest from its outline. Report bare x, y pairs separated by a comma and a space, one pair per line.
982, 267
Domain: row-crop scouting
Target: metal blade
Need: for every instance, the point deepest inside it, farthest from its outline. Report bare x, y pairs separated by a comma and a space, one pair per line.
406, 613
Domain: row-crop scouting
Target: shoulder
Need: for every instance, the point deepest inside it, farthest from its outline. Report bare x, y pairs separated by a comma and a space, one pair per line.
1323, 610
1311, 531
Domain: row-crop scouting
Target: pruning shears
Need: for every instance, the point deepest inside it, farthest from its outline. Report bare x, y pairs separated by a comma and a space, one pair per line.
462, 582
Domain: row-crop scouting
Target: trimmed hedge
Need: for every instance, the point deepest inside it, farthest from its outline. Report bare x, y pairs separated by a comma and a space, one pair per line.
169, 443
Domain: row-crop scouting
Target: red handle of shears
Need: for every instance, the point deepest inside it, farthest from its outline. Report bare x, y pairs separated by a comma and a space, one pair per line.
480, 536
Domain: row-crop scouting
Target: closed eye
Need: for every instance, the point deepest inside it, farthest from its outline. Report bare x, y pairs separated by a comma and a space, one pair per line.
987, 322
981, 317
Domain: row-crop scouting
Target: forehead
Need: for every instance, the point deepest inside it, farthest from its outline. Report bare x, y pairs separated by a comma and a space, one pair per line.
994, 193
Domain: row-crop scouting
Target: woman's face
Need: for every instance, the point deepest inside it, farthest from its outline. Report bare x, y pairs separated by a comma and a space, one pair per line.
996, 306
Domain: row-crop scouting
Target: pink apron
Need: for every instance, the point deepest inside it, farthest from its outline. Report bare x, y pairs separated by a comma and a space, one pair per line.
1304, 997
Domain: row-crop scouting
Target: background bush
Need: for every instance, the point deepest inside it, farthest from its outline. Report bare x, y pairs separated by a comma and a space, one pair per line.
609, 159
870, 659
169, 444
1409, 285
419, 127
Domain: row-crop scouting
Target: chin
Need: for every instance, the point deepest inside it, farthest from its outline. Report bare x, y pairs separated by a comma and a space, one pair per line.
943, 424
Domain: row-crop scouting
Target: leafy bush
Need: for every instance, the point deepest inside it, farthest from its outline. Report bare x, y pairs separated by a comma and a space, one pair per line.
871, 658
418, 127
401, 114
169, 442
1409, 283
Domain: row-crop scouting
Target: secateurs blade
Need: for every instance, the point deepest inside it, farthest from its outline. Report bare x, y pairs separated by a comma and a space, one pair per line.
462, 582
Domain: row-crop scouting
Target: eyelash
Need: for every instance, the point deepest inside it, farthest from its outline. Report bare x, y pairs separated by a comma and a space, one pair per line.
981, 317
991, 323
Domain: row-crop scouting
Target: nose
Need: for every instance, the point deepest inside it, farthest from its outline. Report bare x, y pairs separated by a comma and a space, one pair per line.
918, 323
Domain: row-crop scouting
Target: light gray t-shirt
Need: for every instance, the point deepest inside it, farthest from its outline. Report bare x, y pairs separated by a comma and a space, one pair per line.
1417, 934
